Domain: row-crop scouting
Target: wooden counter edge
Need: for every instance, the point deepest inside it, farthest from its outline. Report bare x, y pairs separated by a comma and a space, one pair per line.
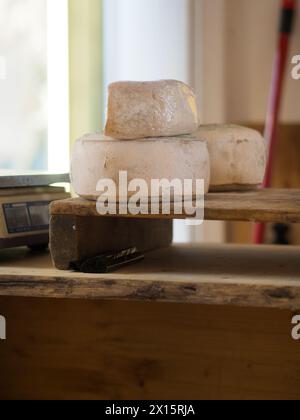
284, 295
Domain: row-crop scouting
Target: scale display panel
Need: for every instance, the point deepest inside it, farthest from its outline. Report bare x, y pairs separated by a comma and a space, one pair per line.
26, 217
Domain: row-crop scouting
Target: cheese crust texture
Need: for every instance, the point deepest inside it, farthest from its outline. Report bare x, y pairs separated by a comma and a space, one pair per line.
151, 109
238, 156
97, 157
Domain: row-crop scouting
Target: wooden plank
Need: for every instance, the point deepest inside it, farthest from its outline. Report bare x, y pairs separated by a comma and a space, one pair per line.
274, 205
266, 277
64, 349
278, 206
75, 239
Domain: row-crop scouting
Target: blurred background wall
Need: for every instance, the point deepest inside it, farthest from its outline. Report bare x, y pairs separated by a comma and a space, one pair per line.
245, 39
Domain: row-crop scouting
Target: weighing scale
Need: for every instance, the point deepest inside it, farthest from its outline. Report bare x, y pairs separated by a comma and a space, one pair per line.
24, 207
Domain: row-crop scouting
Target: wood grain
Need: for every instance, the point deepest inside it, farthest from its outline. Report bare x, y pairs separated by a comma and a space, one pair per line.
274, 205
74, 239
267, 277
64, 349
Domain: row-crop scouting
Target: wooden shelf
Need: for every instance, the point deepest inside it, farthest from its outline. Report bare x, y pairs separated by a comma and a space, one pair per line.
214, 275
272, 205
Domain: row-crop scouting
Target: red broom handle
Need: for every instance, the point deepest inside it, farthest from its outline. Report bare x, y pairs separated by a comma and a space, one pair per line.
286, 27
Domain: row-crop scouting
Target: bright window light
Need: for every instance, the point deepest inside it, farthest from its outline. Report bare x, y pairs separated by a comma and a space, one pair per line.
23, 85
34, 85
58, 85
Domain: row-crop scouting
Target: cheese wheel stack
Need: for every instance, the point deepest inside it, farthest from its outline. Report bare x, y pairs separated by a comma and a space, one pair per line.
152, 132
148, 134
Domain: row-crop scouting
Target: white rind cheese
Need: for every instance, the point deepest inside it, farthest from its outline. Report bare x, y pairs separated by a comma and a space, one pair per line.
97, 157
237, 156
151, 109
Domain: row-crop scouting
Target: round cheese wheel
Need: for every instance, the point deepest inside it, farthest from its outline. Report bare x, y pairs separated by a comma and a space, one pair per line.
237, 156
151, 109
97, 157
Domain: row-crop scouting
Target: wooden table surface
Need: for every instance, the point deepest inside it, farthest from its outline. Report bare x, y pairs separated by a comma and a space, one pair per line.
267, 277
116, 342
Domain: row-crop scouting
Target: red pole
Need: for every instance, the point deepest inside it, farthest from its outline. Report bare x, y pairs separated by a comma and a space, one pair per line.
288, 11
